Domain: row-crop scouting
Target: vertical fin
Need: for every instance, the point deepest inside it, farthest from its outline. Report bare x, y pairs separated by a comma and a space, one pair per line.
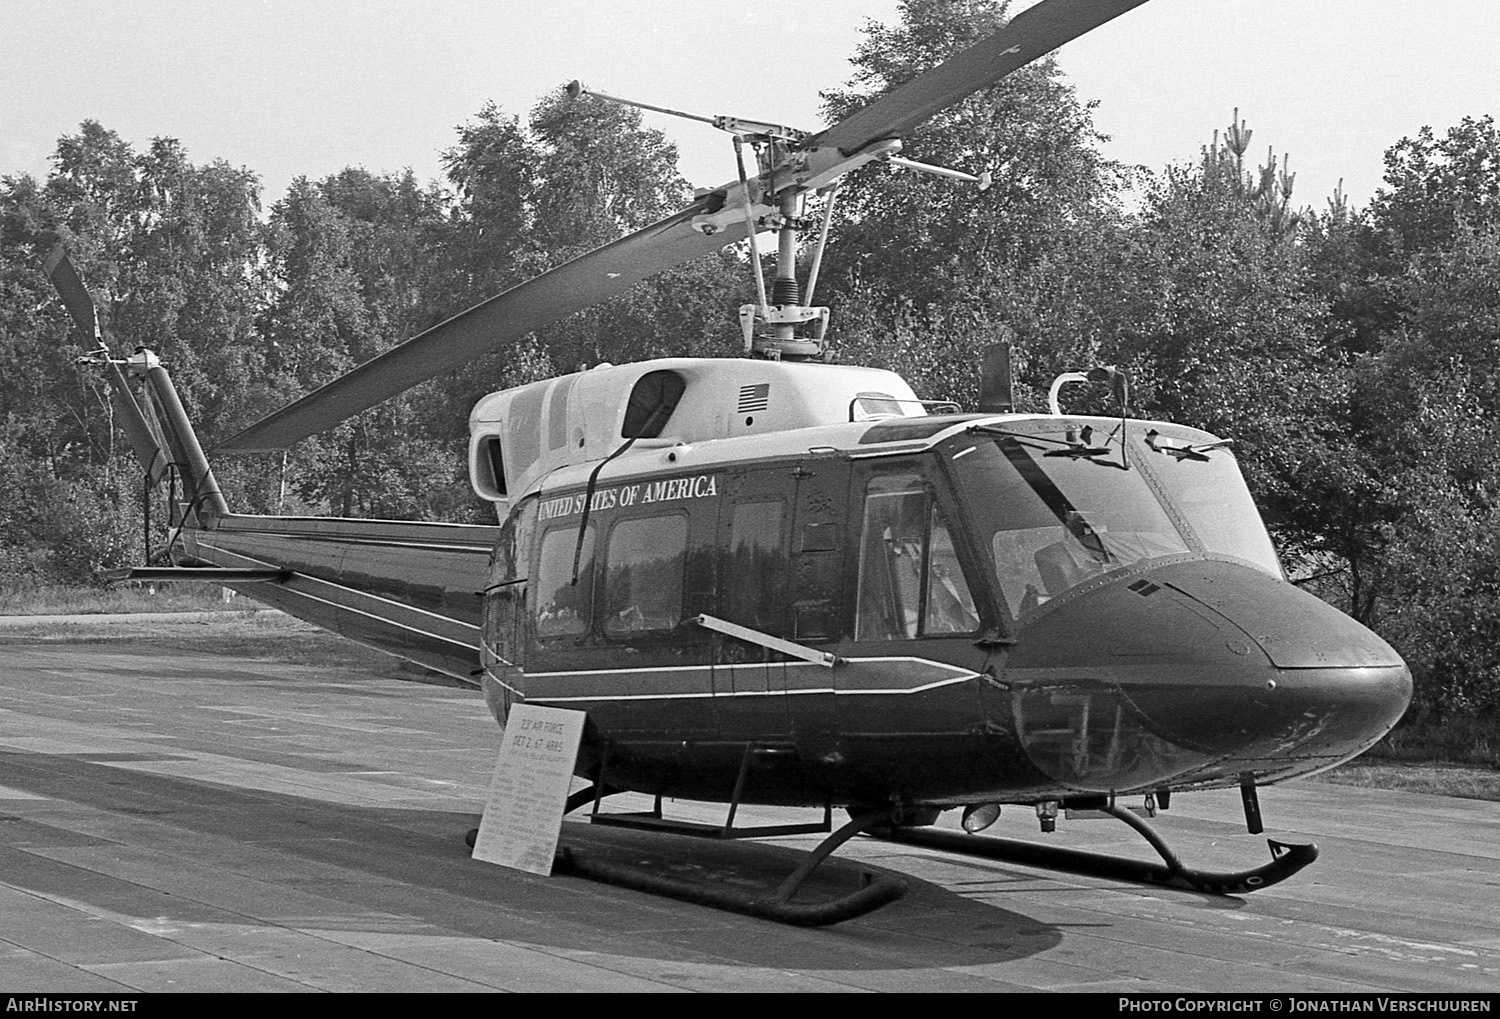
137, 414
134, 419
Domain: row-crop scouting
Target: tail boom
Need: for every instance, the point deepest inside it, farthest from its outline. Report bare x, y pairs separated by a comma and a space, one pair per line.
409, 589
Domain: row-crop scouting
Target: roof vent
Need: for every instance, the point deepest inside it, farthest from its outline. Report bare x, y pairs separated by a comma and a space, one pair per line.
652, 401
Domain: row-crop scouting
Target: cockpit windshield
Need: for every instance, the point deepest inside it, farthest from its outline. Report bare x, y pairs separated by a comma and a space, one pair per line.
1060, 505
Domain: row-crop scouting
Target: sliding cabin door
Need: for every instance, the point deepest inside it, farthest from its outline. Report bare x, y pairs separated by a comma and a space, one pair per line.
816, 599
755, 529
783, 542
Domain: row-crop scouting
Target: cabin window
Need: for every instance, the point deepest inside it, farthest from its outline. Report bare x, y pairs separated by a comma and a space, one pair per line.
874, 407
1210, 492
756, 567
557, 413
562, 607
524, 430
644, 573
910, 582
496, 462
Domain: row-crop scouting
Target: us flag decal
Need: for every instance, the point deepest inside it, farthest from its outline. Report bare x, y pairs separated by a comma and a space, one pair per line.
753, 398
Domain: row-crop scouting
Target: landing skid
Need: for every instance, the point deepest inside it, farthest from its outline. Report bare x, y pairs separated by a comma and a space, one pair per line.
1286, 859
767, 903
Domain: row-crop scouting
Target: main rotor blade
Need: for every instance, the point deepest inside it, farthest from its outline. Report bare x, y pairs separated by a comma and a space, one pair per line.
1035, 31
491, 324
616, 267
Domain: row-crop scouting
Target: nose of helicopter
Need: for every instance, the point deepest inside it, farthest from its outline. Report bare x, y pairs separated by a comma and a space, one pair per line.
1197, 672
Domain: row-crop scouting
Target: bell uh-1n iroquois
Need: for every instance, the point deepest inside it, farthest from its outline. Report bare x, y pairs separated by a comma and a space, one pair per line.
780, 581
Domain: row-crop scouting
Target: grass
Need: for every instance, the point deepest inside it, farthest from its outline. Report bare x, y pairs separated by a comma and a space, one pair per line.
243, 632
69, 601
1436, 779
1472, 740
1454, 756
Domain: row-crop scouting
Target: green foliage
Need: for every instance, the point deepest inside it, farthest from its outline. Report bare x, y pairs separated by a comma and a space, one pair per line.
600, 174
1432, 405
63, 530
351, 263
906, 238
1437, 186
1353, 354
249, 314
1452, 738
923, 272
1413, 286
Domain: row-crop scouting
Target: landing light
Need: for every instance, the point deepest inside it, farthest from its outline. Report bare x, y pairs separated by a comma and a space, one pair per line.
980, 816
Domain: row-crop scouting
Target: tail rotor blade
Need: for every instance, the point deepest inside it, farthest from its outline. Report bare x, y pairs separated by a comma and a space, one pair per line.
75, 296
134, 416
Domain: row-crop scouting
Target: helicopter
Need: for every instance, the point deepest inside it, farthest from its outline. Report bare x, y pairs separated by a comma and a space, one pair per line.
781, 581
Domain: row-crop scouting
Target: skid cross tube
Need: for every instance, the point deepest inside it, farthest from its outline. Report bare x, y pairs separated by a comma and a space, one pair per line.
654, 821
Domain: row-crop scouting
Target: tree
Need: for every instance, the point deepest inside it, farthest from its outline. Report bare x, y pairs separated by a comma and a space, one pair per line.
905, 236
600, 174
1412, 287
349, 267
166, 248
1436, 186
493, 171
923, 272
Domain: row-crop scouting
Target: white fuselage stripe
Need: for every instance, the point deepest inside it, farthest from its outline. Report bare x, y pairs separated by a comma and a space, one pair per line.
745, 693
534, 696
746, 665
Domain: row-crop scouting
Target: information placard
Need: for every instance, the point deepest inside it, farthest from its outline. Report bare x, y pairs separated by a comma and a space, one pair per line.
523, 816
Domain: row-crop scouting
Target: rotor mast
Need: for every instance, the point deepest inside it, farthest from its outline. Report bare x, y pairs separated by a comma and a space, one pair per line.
783, 325
771, 327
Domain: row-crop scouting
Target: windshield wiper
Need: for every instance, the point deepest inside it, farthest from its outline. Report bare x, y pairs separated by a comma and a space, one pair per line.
1070, 447
1079, 451
1079, 448
1158, 443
